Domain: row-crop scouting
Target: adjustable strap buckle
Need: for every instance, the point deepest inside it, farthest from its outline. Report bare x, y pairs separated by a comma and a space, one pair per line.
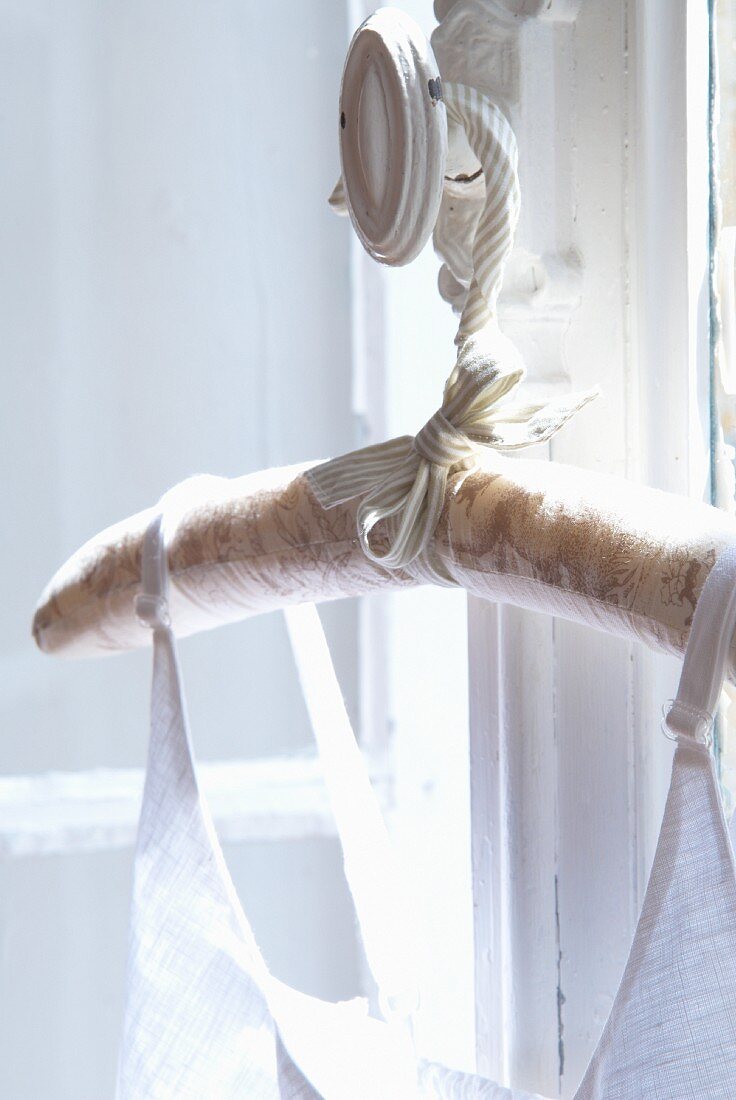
399, 1011
152, 611
683, 722
400, 1006
151, 605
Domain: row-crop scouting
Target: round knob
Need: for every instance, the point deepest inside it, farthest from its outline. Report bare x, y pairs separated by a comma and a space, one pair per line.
393, 136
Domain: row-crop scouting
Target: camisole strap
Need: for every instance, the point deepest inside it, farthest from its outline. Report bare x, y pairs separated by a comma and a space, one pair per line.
197, 1019
371, 865
204, 1015
151, 605
706, 658
672, 1029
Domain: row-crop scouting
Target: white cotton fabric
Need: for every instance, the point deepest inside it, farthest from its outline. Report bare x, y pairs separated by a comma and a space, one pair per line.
370, 863
205, 1018
671, 1034
672, 1031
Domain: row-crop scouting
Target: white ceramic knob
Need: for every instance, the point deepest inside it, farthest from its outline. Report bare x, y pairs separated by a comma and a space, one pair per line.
393, 136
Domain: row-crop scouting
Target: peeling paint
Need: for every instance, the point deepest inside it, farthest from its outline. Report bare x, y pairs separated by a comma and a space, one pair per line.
560, 994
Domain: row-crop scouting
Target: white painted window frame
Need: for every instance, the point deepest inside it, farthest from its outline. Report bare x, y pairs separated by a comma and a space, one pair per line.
567, 767
567, 770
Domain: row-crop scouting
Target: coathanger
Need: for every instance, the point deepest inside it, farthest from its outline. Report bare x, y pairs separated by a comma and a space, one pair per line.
205, 1018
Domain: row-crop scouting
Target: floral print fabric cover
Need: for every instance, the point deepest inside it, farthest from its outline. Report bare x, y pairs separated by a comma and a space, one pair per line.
586, 547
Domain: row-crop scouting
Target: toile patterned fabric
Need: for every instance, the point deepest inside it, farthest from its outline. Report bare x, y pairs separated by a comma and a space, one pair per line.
586, 547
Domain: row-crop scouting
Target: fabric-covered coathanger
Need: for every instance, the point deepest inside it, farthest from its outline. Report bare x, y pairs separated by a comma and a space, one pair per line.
205, 1018
590, 549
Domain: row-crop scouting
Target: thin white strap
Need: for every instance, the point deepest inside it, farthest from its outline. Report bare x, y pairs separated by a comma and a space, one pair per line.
706, 658
151, 605
204, 1016
371, 867
197, 1018
370, 862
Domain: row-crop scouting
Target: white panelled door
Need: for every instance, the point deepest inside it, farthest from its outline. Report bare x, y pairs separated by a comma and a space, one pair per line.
568, 767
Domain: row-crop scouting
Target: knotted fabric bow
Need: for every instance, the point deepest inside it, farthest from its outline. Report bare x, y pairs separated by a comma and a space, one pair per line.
404, 480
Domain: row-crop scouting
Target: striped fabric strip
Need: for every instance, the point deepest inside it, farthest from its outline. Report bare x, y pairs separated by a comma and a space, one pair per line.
403, 482
492, 140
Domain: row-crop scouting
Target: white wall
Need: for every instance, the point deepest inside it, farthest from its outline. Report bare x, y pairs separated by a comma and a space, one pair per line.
174, 298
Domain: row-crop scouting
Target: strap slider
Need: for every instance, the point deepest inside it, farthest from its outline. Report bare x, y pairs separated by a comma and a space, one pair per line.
399, 1008
152, 611
682, 722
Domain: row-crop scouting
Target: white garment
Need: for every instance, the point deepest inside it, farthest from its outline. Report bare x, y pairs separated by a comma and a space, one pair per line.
671, 1034
206, 1020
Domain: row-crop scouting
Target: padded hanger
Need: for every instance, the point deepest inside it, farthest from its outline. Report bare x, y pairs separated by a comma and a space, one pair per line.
444, 505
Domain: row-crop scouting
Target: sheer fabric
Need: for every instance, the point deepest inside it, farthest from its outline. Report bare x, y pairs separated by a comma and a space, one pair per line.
206, 1019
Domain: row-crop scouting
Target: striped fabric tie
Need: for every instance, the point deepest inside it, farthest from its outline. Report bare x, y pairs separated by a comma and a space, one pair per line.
493, 141
403, 481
